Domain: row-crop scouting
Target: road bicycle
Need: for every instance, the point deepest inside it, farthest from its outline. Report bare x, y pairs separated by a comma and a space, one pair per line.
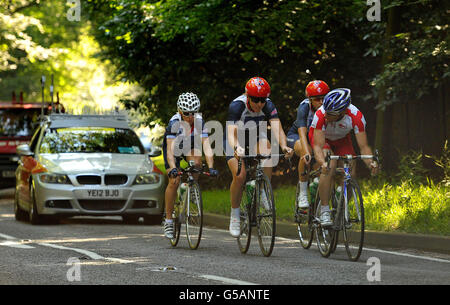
347, 213
304, 218
348, 216
254, 211
188, 208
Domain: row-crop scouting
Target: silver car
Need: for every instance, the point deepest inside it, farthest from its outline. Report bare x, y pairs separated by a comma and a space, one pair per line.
87, 165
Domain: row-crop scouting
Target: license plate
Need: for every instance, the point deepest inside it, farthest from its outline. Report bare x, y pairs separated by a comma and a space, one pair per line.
103, 194
8, 174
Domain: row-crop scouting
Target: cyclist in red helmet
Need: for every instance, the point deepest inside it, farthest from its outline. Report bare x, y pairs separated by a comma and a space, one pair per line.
297, 137
249, 114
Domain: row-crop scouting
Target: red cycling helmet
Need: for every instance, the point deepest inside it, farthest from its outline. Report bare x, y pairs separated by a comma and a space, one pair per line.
317, 88
257, 87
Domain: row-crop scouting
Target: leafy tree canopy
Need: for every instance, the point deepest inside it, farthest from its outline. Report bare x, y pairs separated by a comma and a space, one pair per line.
212, 48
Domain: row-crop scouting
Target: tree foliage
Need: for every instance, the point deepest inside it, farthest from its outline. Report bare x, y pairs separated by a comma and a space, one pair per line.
420, 50
212, 47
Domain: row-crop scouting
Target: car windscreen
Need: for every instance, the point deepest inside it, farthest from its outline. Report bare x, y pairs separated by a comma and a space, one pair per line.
18, 122
91, 140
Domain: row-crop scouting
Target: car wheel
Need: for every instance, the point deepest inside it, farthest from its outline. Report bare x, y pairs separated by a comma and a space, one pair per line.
153, 219
130, 219
19, 214
33, 214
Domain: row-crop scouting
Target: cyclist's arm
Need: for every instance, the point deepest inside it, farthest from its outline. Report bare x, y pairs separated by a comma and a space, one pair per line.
364, 148
170, 153
208, 152
319, 143
232, 135
303, 134
280, 136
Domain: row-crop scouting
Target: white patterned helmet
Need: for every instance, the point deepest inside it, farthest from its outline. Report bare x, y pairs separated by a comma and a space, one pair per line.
188, 102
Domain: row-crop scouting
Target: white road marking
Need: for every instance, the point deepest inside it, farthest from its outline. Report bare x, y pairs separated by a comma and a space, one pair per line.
409, 255
7, 237
14, 242
91, 254
224, 280
439, 260
174, 269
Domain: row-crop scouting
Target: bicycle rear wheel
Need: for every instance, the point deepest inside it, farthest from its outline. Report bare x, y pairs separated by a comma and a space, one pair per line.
354, 221
194, 215
303, 218
265, 216
246, 229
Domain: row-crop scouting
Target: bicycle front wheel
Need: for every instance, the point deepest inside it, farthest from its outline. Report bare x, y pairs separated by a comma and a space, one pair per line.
246, 229
265, 216
194, 216
354, 221
177, 225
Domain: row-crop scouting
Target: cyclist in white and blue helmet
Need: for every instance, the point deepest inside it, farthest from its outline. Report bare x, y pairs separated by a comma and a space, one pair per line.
336, 101
184, 127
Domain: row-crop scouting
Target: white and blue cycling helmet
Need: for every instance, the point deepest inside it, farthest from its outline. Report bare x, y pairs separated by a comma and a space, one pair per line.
188, 102
337, 100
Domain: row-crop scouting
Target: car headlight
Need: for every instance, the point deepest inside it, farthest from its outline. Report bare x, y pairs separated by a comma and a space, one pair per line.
147, 179
54, 178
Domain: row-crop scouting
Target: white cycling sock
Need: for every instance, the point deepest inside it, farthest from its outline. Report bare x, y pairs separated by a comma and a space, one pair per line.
236, 213
303, 187
324, 208
169, 220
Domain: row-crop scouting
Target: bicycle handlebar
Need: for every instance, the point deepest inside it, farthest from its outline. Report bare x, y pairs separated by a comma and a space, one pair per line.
351, 157
257, 157
193, 170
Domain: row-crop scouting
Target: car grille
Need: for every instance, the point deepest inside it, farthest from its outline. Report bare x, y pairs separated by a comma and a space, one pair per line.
102, 205
6, 160
89, 179
116, 179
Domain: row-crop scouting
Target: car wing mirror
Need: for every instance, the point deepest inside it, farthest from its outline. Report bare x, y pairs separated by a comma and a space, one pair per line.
155, 152
24, 150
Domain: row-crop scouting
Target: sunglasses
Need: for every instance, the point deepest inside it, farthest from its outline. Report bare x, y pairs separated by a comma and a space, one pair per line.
316, 98
189, 113
333, 113
258, 100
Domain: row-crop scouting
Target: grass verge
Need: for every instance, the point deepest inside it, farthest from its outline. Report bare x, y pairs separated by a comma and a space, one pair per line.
405, 207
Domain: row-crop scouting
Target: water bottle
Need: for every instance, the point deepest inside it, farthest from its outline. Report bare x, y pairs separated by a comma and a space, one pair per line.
338, 193
182, 191
249, 189
313, 188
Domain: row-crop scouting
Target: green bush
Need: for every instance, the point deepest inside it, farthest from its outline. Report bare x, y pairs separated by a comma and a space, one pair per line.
406, 207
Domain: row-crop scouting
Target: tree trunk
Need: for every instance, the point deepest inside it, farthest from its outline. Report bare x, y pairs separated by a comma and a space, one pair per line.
383, 126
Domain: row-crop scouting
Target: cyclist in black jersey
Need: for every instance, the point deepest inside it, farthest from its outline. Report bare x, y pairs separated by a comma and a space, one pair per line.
250, 112
297, 137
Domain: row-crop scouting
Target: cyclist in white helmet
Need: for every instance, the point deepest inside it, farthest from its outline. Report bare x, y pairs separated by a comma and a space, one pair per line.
184, 138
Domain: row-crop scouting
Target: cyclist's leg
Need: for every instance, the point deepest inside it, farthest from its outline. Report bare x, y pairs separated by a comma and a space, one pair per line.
172, 186
301, 151
263, 147
236, 190
325, 182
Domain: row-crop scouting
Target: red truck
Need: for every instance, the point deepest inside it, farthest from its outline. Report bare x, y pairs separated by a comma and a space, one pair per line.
18, 120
